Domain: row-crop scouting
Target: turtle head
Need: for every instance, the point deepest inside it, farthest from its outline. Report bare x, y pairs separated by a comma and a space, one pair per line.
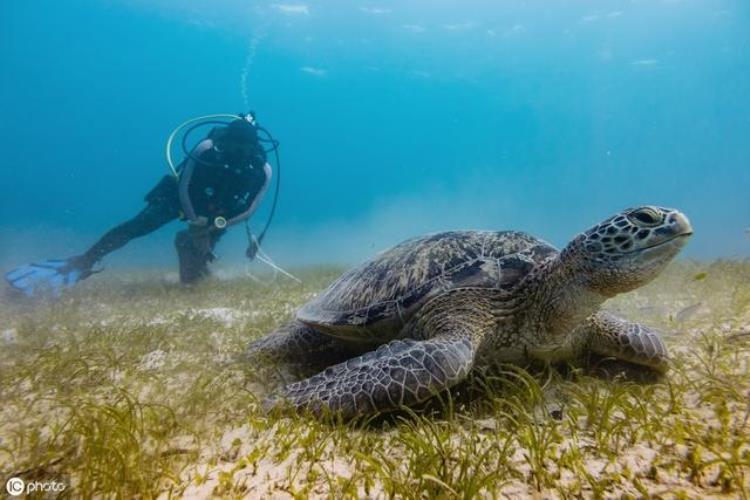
629, 249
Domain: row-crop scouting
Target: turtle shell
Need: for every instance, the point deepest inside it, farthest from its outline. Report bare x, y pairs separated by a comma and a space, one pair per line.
373, 301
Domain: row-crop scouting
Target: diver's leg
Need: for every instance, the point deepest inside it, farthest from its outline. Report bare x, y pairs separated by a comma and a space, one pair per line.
615, 337
151, 218
195, 250
193, 264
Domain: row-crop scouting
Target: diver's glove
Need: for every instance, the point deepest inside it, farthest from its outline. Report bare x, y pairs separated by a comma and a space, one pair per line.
252, 246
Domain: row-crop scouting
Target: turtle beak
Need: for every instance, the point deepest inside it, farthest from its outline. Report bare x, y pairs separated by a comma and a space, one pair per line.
672, 237
680, 225
674, 233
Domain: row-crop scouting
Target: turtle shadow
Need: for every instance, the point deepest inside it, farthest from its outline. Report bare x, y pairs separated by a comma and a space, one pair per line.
615, 370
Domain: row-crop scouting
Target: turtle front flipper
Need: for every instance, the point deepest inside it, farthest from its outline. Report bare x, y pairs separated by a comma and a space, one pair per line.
445, 340
400, 373
609, 335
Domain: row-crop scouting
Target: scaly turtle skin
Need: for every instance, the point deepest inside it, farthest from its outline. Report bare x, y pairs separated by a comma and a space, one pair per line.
430, 309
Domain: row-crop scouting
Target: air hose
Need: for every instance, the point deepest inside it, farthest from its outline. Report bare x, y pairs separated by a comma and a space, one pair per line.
203, 121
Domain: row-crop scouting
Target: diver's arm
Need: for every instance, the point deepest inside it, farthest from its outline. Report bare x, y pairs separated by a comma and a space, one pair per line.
187, 174
256, 201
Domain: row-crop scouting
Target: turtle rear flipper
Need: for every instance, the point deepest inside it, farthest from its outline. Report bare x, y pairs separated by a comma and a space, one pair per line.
297, 348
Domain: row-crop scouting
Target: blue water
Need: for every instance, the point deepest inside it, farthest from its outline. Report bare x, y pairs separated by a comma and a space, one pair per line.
395, 118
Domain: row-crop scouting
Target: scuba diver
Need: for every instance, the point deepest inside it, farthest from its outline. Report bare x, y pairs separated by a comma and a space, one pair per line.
220, 183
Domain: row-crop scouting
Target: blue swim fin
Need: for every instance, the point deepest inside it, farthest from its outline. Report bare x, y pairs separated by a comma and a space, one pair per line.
52, 275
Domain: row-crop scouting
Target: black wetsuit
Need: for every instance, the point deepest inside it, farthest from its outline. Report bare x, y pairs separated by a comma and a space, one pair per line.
225, 185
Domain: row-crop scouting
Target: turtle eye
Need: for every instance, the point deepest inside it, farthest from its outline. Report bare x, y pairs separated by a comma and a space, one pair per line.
645, 217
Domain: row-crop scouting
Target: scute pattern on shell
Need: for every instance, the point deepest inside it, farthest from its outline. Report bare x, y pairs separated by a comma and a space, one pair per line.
394, 284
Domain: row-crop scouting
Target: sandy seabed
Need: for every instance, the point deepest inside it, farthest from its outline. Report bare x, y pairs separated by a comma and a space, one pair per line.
131, 386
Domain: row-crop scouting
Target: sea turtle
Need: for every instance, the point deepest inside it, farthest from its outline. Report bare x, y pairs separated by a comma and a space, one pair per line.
431, 308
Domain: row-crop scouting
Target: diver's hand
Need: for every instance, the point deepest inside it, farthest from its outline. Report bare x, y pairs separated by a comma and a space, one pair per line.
252, 247
198, 221
251, 251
